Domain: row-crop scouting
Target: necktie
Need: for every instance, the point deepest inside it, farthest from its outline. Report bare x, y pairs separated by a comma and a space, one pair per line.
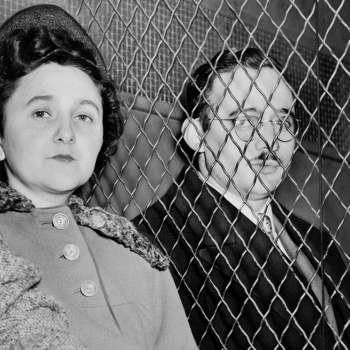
304, 265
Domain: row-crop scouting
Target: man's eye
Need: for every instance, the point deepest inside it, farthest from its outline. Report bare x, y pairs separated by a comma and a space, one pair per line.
286, 122
240, 122
289, 122
248, 121
41, 114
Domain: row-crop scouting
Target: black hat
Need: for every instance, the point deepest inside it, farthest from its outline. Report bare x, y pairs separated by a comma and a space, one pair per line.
52, 17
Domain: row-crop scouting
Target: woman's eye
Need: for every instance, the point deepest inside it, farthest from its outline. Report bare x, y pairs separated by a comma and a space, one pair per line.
41, 114
83, 118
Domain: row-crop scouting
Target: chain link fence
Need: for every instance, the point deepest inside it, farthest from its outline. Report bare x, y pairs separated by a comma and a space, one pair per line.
152, 47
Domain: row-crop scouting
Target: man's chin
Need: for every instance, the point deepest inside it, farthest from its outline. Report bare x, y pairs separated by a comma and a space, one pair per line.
268, 186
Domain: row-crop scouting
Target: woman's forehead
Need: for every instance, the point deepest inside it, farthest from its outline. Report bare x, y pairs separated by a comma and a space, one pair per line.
54, 80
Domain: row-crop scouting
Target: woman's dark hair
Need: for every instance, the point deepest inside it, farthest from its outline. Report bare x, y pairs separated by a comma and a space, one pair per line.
199, 88
24, 51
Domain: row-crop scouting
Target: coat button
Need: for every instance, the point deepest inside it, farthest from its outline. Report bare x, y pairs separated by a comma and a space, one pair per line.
88, 288
71, 252
60, 221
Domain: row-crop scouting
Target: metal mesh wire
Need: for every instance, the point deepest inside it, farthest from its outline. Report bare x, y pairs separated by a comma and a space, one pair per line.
152, 47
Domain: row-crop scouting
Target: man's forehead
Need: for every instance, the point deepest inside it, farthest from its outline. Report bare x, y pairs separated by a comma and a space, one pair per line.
244, 79
242, 83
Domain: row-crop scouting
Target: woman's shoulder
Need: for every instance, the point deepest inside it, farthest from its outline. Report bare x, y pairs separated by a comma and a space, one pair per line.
118, 229
122, 256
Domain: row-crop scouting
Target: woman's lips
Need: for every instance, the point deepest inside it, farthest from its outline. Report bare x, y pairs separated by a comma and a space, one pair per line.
65, 158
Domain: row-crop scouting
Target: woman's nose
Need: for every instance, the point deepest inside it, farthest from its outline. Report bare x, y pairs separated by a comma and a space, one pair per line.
65, 131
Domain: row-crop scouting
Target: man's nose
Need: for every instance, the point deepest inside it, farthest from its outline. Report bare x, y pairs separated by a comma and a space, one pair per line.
267, 135
64, 132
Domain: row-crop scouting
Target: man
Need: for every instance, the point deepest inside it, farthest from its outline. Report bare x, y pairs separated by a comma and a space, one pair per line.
251, 275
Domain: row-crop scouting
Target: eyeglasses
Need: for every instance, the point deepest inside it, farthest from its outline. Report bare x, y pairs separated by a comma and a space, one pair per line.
285, 127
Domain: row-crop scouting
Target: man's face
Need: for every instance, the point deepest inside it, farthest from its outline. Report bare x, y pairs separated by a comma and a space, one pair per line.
237, 164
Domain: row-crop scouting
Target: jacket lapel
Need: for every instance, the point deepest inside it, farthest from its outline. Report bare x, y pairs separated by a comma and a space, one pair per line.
237, 254
231, 244
321, 251
234, 246
254, 262
324, 255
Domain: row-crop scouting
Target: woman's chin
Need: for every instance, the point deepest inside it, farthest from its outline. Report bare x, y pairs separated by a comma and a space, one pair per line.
63, 186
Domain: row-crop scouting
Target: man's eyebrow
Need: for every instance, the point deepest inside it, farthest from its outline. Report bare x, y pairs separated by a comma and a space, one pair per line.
252, 109
239, 110
88, 102
40, 98
287, 111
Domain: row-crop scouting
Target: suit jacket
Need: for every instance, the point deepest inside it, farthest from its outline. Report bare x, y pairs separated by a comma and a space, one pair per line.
237, 288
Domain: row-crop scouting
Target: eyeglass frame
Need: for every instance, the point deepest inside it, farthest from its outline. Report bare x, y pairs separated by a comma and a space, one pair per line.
260, 124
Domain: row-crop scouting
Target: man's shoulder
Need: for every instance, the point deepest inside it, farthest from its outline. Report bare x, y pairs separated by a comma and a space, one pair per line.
188, 199
185, 189
286, 215
188, 192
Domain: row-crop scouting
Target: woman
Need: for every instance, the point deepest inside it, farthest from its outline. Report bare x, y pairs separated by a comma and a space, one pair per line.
59, 113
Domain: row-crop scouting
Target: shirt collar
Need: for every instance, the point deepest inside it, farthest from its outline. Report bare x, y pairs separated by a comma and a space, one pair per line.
236, 201
244, 208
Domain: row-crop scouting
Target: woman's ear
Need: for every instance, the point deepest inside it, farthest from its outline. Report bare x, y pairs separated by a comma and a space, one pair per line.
193, 132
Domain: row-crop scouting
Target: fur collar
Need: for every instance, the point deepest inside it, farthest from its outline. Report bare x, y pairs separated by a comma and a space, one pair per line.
111, 225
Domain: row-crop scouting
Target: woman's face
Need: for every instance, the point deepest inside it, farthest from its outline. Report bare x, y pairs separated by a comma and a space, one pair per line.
52, 132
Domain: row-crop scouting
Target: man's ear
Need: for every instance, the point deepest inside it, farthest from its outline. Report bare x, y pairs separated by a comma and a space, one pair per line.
2, 153
193, 132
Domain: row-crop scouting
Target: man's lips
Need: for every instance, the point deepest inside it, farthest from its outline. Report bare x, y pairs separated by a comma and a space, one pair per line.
267, 167
63, 158
266, 163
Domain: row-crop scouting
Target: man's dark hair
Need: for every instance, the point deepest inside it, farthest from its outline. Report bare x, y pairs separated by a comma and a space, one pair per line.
24, 51
199, 88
